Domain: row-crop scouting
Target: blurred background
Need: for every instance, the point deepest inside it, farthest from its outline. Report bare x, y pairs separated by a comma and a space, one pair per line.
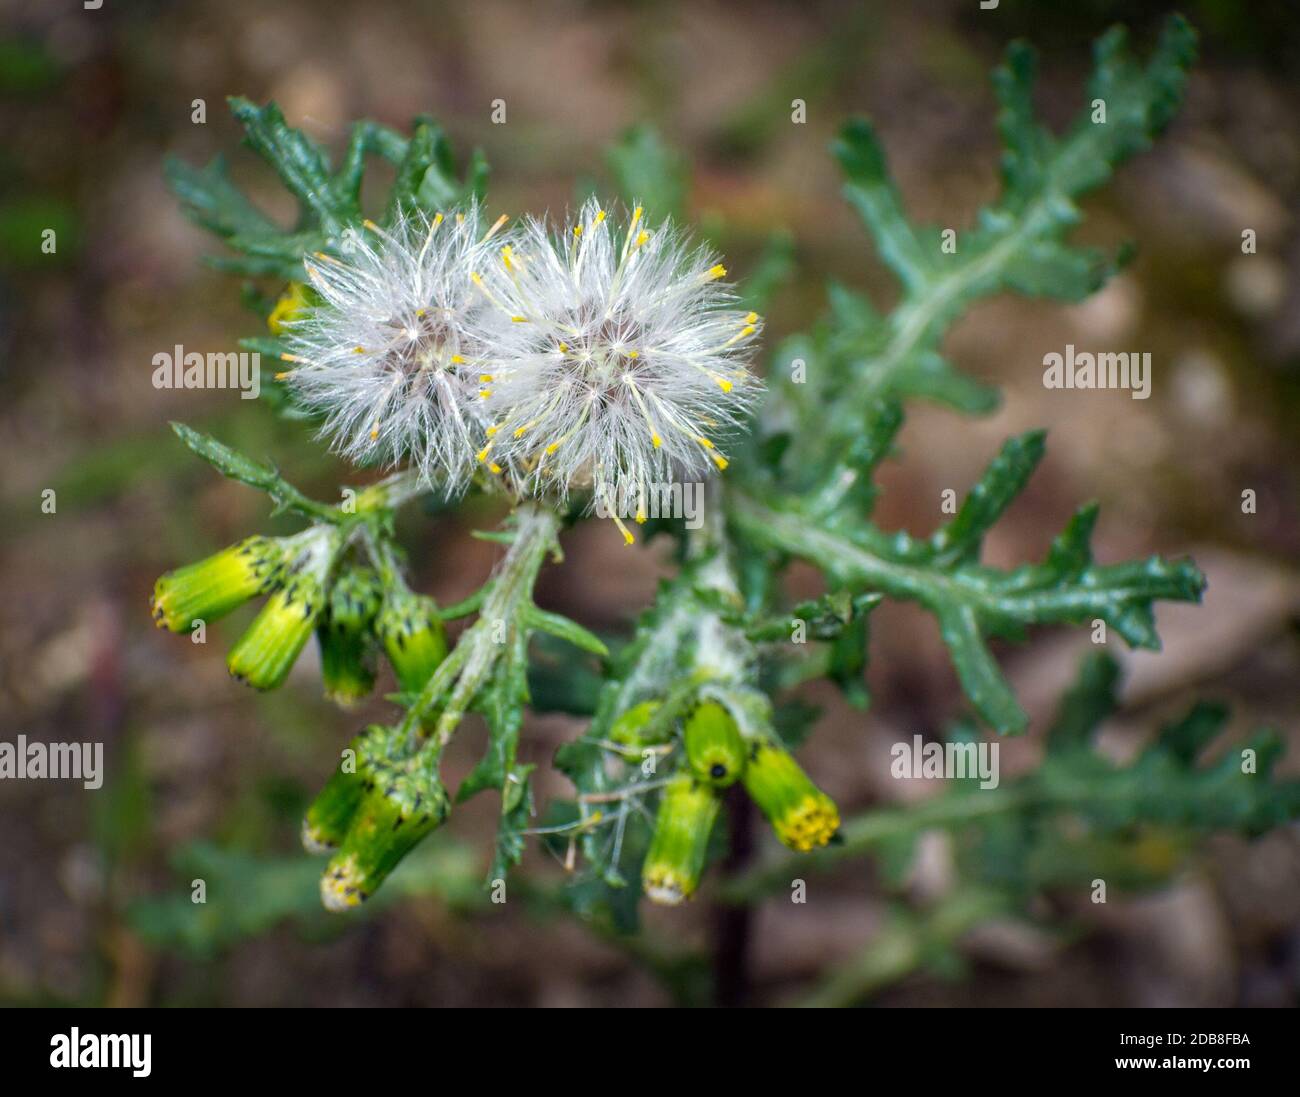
207, 780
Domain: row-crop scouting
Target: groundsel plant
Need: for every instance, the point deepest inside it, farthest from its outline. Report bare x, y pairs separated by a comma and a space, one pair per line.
561, 366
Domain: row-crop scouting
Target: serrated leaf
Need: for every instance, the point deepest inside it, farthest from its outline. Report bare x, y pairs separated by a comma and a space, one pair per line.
562, 628
233, 464
871, 191
426, 176
1003, 480
227, 461
980, 677
301, 163
1185, 739
929, 376
213, 201
1090, 701
1071, 550
1019, 243
365, 139
973, 602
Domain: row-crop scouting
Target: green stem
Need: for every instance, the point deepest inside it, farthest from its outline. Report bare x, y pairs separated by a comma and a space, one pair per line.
467, 669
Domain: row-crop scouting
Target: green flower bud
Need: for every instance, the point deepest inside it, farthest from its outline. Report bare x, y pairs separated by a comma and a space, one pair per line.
347, 665
413, 636
402, 802
355, 598
326, 822
714, 749
266, 652
213, 587
346, 646
675, 861
329, 816
628, 728
802, 815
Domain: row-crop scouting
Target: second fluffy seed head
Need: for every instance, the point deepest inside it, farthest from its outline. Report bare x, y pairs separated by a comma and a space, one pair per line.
616, 358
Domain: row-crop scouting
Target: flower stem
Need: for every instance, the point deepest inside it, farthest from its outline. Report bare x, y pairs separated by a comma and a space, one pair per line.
464, 672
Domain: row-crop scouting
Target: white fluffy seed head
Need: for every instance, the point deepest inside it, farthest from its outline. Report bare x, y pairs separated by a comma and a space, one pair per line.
387, 358
612, 357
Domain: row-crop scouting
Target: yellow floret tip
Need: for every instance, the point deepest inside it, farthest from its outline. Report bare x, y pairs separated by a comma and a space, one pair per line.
809, 825
666, 886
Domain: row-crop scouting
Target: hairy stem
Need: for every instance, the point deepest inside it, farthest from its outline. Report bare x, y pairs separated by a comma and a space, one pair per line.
466, 670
